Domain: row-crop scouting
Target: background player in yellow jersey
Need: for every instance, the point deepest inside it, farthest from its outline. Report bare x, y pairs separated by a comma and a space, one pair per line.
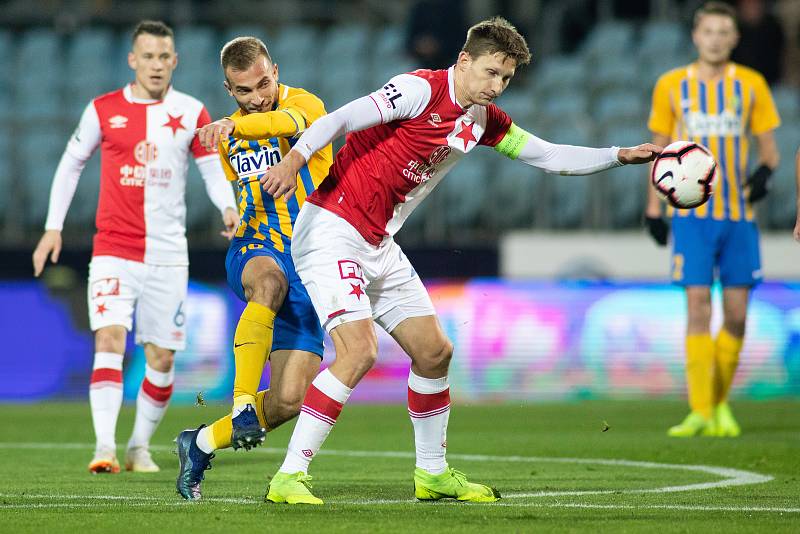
717, 103
259, 264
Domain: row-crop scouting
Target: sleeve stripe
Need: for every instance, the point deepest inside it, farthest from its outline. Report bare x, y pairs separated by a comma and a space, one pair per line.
377, 106
296, 125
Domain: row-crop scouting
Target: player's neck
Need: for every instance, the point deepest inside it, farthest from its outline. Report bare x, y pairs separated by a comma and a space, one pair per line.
138, 91
462, 98
710, 71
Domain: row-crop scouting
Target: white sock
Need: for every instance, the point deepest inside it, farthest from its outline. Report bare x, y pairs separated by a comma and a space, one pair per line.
204, 440
324, 401
429, 408
105, 397
151, 404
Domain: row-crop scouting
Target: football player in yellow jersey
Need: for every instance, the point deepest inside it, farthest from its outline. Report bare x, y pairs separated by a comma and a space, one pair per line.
279, 321
717, 103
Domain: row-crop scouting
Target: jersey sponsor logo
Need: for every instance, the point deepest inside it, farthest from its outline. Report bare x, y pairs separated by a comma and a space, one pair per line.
350, 270
250, 162
145, 152
389, 94
419, 172
700, 124
118, 121
105, 287
135, 176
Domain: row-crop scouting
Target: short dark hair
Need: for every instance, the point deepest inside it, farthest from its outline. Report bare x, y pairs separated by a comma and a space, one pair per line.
497, 35
152, 27
242, 52
715, 8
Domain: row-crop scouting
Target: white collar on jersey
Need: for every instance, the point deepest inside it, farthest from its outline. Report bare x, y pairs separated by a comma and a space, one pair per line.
127, 92
451, 85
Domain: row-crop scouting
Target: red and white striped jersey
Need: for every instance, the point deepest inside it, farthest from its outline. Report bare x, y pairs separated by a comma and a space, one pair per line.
382, 173
145, 148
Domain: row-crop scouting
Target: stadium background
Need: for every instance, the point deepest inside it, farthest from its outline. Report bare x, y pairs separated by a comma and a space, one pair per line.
532, 318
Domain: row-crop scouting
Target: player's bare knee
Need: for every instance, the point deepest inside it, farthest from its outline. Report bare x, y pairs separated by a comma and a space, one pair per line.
159, 358
269, 290
437, 357
110, 339
360, 354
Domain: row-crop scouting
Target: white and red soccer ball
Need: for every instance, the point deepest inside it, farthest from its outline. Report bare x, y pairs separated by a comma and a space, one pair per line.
683, 174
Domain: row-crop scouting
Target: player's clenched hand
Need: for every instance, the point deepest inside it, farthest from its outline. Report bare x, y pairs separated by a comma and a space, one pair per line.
210, 134
281, 180
230, 218
49, 245
639, 154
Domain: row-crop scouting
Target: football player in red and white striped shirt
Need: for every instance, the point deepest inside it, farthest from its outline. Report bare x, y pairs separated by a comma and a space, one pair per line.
139, 265
402, 140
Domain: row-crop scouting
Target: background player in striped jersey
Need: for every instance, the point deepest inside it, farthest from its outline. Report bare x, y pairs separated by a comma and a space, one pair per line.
139, 259
403, 139
715, 102
259, 264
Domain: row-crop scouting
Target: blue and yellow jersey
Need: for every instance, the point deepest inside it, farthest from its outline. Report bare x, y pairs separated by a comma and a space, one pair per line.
259, 141
718, 114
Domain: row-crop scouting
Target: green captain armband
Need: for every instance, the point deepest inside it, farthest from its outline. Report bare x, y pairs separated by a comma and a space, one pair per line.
511, 144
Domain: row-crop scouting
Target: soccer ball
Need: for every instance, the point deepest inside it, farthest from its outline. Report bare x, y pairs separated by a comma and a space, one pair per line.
683, 174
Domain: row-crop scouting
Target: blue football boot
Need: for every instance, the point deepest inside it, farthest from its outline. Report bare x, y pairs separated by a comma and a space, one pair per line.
193, 464
247, 430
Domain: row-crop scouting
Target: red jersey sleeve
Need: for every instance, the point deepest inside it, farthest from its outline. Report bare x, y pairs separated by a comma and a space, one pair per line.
497, 124
197, 149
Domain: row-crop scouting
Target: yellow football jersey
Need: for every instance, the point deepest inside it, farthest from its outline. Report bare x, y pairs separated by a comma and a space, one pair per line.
259, 141
718, 114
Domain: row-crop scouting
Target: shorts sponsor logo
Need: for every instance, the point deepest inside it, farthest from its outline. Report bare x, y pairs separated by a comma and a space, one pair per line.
350, 270
105, 287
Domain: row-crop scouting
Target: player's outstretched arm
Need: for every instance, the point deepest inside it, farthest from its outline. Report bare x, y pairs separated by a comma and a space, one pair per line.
568, 159
49, 245
281, 180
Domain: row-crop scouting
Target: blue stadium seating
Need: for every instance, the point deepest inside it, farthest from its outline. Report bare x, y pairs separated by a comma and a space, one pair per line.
464, 191
662, 38
558, 73
41, 151
609, 39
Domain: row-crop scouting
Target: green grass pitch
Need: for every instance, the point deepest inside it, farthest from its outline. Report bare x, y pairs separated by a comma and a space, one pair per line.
549, 460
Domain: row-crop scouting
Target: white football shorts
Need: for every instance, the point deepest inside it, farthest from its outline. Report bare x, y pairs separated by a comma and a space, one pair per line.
348, 279
157, 294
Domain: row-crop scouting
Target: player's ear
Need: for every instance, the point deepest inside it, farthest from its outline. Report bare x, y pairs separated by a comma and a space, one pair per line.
227, 87
275, 71
175, 60
464, 59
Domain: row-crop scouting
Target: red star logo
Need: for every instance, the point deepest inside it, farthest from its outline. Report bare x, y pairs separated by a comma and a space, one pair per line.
177, 335
466, 133
101, 308
357, 291
174, 123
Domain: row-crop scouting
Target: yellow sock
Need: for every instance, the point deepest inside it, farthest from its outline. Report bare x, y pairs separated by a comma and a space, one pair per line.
222, 428
700, 373
251, 345
726, 355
